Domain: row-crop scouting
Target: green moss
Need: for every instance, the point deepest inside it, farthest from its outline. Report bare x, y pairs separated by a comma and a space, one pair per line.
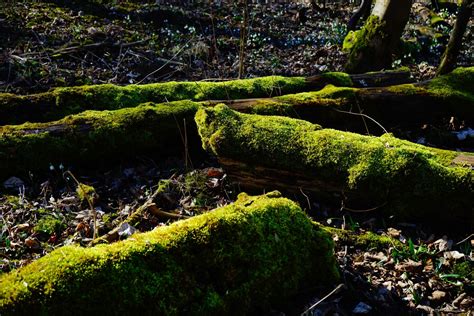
95, 137
366, 240
406, 89
60, 102
296, 105
358, 44
339, 79
465, 270
383, 169
238, 259
49, 225
350, 39
456, 85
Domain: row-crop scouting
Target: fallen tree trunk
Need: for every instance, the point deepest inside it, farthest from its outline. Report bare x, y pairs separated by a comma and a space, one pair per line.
59, 102
99, 137
363, 172
239, 259
158, 129
436, 100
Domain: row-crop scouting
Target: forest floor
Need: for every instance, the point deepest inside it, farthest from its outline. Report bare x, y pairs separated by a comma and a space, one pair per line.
44, 45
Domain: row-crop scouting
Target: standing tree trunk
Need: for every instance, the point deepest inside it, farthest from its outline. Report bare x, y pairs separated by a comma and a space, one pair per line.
450, 56
362, 12
372, 46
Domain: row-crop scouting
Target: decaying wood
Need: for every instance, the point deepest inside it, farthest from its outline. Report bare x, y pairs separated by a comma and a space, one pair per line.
371, 79
380, 173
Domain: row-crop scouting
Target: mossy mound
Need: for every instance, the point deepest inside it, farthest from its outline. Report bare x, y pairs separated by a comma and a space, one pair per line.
96, 137
238, 259
408, 179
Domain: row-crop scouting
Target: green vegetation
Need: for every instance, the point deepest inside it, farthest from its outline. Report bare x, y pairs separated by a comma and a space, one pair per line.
49, 225
458, 84
366, 240
382, 168
236, 259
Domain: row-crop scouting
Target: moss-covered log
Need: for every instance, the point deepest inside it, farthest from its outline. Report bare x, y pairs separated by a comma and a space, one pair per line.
59, 102
96, 137
365, 172
398, 105
237, 260
157, 129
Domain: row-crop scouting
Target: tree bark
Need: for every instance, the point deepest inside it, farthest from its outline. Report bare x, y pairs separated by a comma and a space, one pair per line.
450, 56
362, 13
377, 40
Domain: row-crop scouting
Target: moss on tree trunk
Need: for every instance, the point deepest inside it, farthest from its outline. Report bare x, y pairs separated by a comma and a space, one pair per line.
436, 100
237, 260
371, 48
400, 177
95, 137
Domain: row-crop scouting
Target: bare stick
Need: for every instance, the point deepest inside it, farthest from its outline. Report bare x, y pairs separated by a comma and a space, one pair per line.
364, 115
337, 289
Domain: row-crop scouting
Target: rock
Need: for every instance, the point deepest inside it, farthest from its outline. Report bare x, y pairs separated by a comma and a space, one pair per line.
126, 230
362, 308
13, 183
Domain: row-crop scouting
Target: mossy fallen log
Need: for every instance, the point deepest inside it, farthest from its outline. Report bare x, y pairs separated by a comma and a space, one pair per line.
238, 259
59, 102
99, 137
406, 179
106, 136
435, 100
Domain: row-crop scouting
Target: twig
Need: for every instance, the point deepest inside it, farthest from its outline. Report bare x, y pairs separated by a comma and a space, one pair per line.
337, 289
363, 119
243, 40
155, 210
307, 198
364, 115
166, 63
113, 234
363, 211
465, 239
